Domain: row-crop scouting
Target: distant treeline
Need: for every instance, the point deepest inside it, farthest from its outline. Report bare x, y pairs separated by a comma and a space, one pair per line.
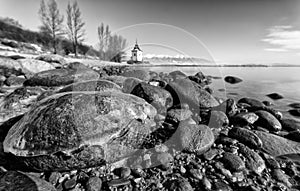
17, 33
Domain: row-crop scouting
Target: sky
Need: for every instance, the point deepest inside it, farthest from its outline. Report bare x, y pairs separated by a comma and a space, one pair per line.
226, 31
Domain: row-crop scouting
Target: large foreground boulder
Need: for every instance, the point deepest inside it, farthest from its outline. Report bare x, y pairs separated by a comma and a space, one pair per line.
187, 91
60, 77
78, 130
91, 85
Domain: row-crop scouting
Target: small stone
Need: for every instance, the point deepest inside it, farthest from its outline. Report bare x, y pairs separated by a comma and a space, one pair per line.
233, 162
211, 154
196, 173
275, 96
69, 184
63, 178
122, 172
54, 177
118, 182
279, 175
182, 170
180, 184
232, 79
206, 183
221, 186
94, 184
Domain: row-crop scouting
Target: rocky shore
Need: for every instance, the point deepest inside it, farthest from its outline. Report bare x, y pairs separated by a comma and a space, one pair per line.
69, 127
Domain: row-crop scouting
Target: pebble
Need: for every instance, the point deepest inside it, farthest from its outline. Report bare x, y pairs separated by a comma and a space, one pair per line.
245, 118
196, 173
279, 175
123, 172
69, 184
94, 184
233, 162
206, 183
211, 154
54, 177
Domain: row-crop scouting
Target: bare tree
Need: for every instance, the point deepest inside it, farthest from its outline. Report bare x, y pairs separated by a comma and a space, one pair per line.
75, 25
104, 37
51, 21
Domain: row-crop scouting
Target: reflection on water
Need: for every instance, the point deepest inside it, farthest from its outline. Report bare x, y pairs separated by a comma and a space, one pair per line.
257, 82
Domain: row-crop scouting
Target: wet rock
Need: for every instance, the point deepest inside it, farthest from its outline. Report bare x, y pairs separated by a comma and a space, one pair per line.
246, 137
15, 180
79, 130
122, 172
52, 58
174, 116
271, 161
253, 161
275, 96
295, 112
268, 121
156, 96
295, 105
276, 145
120, 80
177, 74
139, 74
76, 65
229, 107
279, 175
69, 184
179, 184
233, 162
195, 138
117, 183
196, 174
293, 135
54, 177
206, 183
232, 79
94, 184
218, 119
252, 102
91, 85
60, 77
243, 118
290, 124
211, 154
221, 186
186, 91
129, 84
14, 81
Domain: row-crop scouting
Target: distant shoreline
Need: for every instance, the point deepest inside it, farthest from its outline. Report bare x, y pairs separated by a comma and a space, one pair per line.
201, 65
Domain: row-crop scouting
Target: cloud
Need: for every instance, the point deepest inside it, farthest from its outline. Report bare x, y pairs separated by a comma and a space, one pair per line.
283, 39
276, 49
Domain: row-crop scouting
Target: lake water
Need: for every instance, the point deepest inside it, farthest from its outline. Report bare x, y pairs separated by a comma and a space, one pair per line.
257, 82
